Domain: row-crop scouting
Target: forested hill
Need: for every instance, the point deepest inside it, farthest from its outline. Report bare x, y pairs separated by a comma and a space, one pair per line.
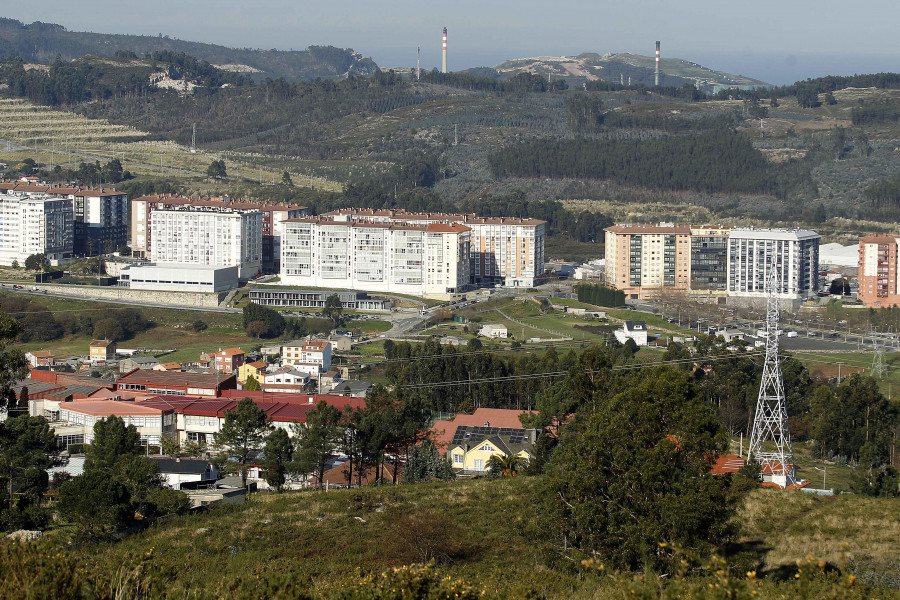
43, 42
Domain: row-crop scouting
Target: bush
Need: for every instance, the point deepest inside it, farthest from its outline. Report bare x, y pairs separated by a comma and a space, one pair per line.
164, 501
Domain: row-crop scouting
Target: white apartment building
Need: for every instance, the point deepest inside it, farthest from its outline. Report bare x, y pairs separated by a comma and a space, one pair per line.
142, 235
307, 356
505, 250
423, 260
752, 253
208, 236
37, 223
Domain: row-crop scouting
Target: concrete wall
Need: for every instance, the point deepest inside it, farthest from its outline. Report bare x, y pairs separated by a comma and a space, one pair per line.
125, 295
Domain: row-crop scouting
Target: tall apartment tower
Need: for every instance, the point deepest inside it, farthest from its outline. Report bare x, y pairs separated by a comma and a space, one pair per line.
879, 285
444, 45
793, 253
647, 260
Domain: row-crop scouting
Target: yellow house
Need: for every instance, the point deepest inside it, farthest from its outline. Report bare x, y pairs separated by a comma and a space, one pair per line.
256, 369
102, 351
472, 447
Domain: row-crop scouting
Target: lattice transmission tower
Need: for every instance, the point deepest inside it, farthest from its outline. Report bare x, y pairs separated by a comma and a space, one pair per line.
878, 369
770, 441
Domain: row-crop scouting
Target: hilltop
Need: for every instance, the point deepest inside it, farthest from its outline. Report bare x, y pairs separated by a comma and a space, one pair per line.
44, 42
622, 67
478, 531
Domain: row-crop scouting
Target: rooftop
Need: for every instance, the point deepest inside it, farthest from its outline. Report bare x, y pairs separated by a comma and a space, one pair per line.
106, 408
199, 380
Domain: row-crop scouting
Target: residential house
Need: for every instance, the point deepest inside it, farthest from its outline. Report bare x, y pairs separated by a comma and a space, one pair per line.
471, 448
254, 369
228, 360
137, 362
169, 366
356, 389
102, 351
177, 471
310, 356
285, 379
494, 330
40, 358
633, 330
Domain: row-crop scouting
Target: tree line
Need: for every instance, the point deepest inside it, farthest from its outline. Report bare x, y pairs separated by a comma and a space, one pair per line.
600, 295
715, 161
35, 322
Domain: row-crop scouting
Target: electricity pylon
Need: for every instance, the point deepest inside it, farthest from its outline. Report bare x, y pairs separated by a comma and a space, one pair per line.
770, 423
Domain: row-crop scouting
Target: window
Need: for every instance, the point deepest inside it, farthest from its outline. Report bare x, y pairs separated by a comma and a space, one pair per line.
479, 465
487, 448
457, 459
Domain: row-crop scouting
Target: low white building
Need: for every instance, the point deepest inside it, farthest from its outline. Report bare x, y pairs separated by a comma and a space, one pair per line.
176, 277
494, 330
177, 471
308, 356
289, 377
76, 420
633, 330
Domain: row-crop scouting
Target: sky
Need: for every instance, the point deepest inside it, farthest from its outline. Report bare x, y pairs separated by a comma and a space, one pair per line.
777, 41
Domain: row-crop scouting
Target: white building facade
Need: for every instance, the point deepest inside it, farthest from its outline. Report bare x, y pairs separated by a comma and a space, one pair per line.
423, 260
308, 356
504, 250
174, 277
36, 223
752, 253
210, 236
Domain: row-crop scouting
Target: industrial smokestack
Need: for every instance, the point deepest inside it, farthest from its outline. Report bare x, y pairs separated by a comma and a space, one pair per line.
657, 64
444, 64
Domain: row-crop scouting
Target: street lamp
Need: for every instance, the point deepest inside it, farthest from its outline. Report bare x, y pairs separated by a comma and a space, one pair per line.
824, 473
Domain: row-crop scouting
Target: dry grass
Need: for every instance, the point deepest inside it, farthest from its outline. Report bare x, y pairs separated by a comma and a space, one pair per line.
836, 529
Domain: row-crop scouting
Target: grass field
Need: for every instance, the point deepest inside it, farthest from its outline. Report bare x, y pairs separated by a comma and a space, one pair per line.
475, 531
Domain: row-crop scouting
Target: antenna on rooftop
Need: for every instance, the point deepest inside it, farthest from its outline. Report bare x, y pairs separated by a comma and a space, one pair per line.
770, 423
194, 138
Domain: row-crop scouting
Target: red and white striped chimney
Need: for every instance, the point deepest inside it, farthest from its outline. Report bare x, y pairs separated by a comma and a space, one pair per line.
656, 79
444, 65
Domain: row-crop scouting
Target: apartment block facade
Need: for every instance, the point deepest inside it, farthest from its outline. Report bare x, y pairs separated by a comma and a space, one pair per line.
100, 215
35, 223
272, 216
208, 236
423, 260
753, 253
878, 283
503, 250
647, 261
101, 221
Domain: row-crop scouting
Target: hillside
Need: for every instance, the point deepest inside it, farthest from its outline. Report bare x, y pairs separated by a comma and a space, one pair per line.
624, 67
478, 532
43, 42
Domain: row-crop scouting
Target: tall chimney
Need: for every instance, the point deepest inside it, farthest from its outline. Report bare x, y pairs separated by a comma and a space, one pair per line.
657, 64
444, 64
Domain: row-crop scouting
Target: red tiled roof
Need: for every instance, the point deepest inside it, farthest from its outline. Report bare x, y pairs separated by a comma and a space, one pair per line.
727, 463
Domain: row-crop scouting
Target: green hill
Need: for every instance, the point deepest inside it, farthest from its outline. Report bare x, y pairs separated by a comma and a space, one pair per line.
479, 533
43, 42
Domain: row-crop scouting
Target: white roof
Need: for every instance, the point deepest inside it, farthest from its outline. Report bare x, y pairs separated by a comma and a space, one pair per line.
772, 234
838, 255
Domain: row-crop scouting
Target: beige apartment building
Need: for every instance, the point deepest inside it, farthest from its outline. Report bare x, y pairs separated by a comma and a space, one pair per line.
645, 261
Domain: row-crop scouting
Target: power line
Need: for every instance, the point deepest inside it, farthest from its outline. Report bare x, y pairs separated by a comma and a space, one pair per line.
680, 361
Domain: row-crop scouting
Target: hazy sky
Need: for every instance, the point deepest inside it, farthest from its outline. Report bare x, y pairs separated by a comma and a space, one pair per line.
778, 41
